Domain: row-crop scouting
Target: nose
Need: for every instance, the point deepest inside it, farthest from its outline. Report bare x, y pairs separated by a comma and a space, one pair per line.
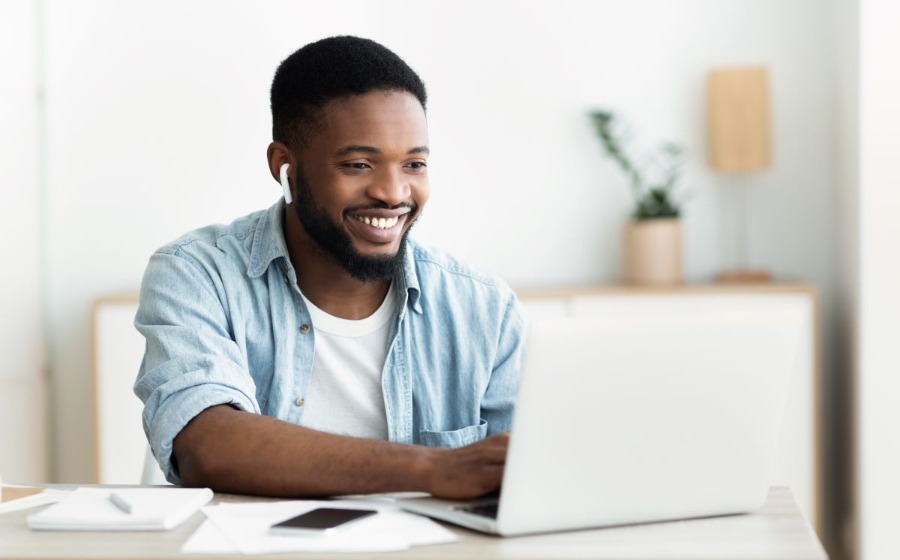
391, 186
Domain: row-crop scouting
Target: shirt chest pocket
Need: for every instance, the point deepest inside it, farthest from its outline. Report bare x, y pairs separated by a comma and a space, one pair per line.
454, 438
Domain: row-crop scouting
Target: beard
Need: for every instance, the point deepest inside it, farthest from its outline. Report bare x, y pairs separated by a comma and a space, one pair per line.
336, 242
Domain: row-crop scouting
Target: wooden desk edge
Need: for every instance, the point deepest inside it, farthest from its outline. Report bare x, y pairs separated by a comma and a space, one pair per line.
675, 289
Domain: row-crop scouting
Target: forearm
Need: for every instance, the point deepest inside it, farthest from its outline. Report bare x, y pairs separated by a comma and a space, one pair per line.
234, 451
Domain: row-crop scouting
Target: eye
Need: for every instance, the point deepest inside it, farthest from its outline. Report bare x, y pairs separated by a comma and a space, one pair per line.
354, 166
418, 166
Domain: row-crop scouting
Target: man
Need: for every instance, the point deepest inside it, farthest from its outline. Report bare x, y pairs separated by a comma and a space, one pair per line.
312, 348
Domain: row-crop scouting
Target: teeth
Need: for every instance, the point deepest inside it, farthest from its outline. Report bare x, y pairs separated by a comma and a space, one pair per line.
381, 223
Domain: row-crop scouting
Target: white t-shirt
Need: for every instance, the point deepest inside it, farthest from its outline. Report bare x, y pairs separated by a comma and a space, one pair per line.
345, 395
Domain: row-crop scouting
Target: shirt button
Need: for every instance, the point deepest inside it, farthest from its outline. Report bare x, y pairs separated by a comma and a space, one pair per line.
299, 401
304, 329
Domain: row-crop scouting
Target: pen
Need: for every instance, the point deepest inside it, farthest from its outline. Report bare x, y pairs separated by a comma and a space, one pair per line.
120, 502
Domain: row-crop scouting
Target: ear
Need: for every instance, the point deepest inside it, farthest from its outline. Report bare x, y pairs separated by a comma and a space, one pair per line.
280, 156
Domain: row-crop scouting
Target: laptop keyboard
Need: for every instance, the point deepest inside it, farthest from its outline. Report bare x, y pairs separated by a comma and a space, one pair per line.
484, 510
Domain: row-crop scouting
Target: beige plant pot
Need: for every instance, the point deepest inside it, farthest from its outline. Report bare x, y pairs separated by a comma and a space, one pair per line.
652, 252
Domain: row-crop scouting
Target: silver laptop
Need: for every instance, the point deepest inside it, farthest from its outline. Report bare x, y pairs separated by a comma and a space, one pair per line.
631, 419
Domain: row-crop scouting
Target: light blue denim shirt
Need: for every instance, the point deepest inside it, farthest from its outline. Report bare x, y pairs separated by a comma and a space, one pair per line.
225, 322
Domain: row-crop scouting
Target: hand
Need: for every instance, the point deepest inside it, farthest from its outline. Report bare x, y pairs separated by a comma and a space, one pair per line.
470, 471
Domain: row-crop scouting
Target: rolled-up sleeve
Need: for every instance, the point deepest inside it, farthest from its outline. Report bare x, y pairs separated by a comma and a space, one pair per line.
191, 361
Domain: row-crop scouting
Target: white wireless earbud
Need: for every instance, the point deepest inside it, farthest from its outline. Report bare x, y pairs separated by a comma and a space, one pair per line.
285, 184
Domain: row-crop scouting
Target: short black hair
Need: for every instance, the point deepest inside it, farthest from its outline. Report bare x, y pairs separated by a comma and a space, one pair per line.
329, 69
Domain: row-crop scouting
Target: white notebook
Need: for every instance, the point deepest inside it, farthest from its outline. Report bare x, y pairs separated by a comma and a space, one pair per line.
152, 509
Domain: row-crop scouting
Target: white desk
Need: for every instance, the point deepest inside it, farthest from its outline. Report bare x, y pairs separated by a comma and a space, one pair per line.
778, 531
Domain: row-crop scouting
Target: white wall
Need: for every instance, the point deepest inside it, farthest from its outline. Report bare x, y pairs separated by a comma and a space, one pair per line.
22, 415
879, 278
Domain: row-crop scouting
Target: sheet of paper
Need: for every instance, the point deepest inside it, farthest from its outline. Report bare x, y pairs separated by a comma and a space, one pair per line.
34, 500
208, 539
246, 527
152, 509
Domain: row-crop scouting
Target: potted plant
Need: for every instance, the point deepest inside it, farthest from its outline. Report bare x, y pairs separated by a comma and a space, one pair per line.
652, 237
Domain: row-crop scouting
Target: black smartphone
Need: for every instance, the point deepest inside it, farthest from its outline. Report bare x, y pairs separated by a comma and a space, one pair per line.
320, 520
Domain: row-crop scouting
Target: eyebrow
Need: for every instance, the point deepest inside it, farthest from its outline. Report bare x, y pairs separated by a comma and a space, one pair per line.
347, 150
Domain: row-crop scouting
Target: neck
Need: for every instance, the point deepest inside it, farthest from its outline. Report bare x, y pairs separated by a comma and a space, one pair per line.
325, 282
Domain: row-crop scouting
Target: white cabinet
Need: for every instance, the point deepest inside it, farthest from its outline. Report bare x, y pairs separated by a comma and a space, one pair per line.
797, 458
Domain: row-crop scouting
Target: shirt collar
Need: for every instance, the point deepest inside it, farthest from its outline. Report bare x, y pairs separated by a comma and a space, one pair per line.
268, 240
269, 244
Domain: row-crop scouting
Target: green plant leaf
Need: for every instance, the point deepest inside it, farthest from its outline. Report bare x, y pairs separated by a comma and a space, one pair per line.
652, 201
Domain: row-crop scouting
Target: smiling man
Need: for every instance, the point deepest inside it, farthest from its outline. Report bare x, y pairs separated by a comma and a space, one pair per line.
313, 348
